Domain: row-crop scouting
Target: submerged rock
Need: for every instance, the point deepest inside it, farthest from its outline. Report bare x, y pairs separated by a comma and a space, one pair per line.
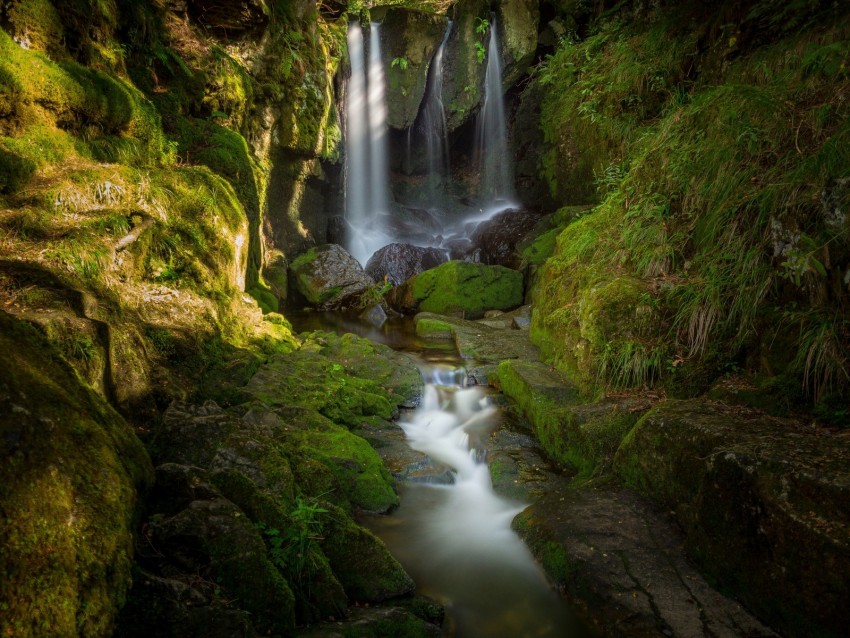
459, 287
329, 278
399, 262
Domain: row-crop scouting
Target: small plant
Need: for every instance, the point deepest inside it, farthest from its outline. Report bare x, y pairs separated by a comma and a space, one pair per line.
295, 550
401, 63
481, 27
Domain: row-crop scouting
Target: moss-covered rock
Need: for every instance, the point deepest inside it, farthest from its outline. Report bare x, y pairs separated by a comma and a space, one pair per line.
763, 502
463, 75
579, 435
217, 537
362, 562
328, 277
71, 472
410, 39
460, 287
518, 22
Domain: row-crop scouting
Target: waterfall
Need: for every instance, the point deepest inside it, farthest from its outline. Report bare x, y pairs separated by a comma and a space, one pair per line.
492, 153
366, 164
434, 127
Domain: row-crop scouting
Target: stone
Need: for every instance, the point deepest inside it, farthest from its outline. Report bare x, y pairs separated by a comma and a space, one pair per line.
362, 562
70, 477
329, 278
375, 316
519, 22
230, 18
497, 237
216, 539
412, 36
459, 287
764, 502
399, 262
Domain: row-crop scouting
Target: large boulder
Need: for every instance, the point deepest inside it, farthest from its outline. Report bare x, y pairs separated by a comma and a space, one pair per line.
329, 278
764, 502
460, 287
497, 237
70, 472
399, 262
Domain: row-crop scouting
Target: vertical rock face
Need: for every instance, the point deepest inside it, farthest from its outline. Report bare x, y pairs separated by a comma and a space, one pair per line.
410, 39
463, 80
518, 21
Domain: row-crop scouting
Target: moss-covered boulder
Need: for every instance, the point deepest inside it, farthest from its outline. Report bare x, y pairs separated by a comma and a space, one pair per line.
763, 501
362, 562
215, 537
329, 278
410, 39
460, 287
70, 477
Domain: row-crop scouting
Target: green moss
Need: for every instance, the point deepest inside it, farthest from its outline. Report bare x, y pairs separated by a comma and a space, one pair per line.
464, 287
68, 496
362, 562
15, 171
430, 328
579, 435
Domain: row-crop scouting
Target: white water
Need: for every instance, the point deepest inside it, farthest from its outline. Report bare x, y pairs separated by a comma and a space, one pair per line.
456, 540
491, 149
366, 165
434, 127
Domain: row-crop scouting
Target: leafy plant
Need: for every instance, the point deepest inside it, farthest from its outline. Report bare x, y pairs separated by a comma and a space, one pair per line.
295, 550
401, 63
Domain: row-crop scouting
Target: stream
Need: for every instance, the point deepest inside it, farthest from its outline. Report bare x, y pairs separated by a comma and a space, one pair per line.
452, 532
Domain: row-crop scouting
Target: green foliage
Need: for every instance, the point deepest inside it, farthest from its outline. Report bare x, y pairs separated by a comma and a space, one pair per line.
401, 63
295, 550
726, 205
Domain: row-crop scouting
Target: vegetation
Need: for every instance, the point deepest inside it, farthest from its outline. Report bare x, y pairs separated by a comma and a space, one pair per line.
718, 211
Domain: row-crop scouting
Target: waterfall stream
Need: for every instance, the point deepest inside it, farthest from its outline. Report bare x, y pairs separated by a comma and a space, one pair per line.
433, 126
494, 163
456, 539
366, 166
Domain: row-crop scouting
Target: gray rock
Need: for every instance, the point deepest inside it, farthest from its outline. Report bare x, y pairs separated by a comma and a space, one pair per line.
329, 278
399, 262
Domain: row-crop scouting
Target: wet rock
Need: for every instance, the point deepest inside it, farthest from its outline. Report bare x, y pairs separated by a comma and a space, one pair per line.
374, 316
399, 262
519, 21
765, 504
497, 238
459, 287
338, 230
463, 248
411, 36
329, 278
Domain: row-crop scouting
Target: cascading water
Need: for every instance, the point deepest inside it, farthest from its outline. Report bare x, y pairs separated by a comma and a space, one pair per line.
366, 165
456, 540
494, 165
433, 125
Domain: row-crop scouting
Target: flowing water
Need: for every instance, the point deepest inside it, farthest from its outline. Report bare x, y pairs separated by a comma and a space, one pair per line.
492, 153
366, 165
455, 539
433, 126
